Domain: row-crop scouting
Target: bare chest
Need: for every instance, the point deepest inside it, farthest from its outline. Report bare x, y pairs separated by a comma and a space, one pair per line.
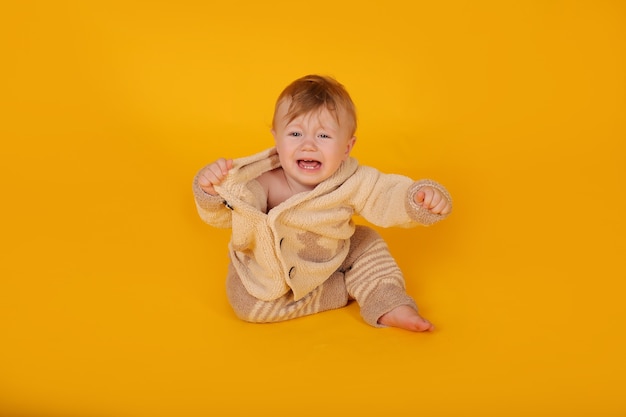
276, 187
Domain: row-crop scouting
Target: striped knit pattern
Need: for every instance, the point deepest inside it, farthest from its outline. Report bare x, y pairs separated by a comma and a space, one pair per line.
373, 277
369, 275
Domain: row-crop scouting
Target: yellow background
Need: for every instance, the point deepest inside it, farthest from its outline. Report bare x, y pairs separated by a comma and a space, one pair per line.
112, 295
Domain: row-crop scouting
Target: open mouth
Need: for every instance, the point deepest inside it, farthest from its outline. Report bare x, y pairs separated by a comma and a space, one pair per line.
309, 164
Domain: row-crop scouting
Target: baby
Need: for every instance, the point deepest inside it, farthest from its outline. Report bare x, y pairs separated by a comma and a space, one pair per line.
295, 249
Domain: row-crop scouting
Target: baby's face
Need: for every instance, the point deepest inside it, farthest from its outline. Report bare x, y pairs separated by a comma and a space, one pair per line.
312, 146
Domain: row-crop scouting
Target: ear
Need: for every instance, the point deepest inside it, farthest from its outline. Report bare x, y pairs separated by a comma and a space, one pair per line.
349, 147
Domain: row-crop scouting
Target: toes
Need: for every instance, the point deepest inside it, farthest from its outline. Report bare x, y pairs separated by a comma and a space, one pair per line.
424, 325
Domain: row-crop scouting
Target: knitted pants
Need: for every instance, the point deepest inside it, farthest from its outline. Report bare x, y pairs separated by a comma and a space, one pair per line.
368, 275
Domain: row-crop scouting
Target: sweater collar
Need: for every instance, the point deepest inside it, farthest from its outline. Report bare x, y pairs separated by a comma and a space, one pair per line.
250, 167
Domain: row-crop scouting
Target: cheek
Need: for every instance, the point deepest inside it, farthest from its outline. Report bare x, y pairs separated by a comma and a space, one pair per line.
280, 146
283, 151
342, 152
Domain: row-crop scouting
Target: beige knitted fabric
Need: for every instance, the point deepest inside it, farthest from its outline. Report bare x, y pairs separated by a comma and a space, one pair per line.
300, 244
368, 275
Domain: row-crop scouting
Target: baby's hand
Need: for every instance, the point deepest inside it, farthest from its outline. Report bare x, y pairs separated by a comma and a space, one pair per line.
433, 200
214, 174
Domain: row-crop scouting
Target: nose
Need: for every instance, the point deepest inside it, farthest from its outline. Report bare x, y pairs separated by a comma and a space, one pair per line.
308, 143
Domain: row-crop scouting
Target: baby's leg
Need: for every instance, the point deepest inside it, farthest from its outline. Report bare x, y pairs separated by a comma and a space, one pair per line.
375, 281
330, 295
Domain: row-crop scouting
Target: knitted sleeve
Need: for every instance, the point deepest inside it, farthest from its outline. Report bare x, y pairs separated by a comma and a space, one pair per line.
387, 200
211, 208
417, 212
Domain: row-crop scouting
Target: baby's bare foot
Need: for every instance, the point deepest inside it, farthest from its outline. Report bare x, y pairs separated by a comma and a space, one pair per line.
405, 317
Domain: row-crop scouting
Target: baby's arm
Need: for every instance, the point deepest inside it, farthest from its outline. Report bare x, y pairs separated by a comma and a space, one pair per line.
388, 200
209, 204
214, 174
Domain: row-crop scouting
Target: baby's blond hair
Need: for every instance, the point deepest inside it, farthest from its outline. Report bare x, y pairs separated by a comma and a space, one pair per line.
316, 92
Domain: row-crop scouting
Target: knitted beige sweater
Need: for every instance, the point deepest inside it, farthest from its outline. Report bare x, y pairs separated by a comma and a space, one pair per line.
298, 244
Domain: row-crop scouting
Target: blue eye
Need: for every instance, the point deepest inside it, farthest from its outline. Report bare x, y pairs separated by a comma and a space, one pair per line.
324, 136
295, 134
